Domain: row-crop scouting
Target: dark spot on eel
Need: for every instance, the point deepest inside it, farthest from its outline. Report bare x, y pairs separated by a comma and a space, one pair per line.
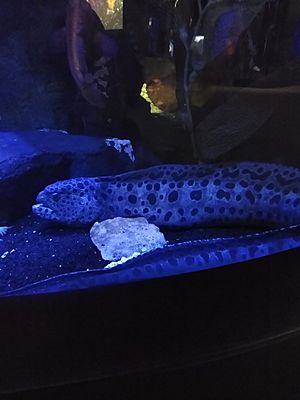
168, 216
222, 194
196, 195
250, 197
151, 198
275, 199
132, 199
173, 196
189, 260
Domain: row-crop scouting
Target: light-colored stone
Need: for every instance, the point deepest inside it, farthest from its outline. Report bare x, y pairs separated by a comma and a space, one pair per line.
122, 237
121, 145
114, 264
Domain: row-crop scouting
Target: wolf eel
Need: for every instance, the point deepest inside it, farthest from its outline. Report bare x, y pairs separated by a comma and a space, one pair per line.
246, 193
178, 195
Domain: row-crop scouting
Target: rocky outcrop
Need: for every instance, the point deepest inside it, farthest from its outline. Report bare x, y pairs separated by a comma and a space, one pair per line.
31, 160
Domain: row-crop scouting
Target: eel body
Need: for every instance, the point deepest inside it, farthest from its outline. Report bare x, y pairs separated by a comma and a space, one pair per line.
246, 193
174, 259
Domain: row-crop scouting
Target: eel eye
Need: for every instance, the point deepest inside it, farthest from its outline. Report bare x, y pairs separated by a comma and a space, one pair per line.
55, 196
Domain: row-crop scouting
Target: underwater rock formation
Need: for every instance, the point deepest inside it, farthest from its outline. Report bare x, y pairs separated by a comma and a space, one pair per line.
84, 28
31, 160
102, 65
123, 237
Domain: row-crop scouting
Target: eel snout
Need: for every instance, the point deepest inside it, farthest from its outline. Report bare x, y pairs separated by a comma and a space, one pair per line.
43, 209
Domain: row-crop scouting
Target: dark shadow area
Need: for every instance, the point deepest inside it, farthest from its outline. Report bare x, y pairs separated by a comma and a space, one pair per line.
191, 330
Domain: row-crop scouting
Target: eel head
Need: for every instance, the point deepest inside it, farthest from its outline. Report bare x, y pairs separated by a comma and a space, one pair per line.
70, 202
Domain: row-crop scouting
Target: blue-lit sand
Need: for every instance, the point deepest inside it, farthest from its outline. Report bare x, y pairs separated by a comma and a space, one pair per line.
37, 258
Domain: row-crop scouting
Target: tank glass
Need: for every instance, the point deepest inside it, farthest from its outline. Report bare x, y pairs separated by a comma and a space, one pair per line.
145, 139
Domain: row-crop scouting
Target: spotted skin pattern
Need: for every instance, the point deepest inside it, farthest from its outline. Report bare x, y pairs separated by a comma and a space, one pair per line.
176, 259
174, 195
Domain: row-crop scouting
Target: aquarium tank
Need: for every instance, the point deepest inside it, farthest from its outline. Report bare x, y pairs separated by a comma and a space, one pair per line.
143, 139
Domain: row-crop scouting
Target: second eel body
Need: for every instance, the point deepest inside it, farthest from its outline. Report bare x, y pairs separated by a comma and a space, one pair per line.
179, 258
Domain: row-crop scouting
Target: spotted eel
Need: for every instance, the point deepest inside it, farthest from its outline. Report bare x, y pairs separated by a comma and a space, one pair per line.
172, 195
174, 259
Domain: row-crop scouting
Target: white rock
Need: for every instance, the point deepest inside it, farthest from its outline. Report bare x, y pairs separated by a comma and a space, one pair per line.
123, 260
121, 145
122, 237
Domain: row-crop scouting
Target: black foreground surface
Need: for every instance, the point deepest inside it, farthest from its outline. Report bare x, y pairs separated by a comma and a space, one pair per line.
226, 333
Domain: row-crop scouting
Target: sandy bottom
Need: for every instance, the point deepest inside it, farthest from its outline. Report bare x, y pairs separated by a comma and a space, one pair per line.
33, 250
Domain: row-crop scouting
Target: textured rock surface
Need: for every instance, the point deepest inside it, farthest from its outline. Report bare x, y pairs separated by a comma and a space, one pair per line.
122, 237
31, 160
